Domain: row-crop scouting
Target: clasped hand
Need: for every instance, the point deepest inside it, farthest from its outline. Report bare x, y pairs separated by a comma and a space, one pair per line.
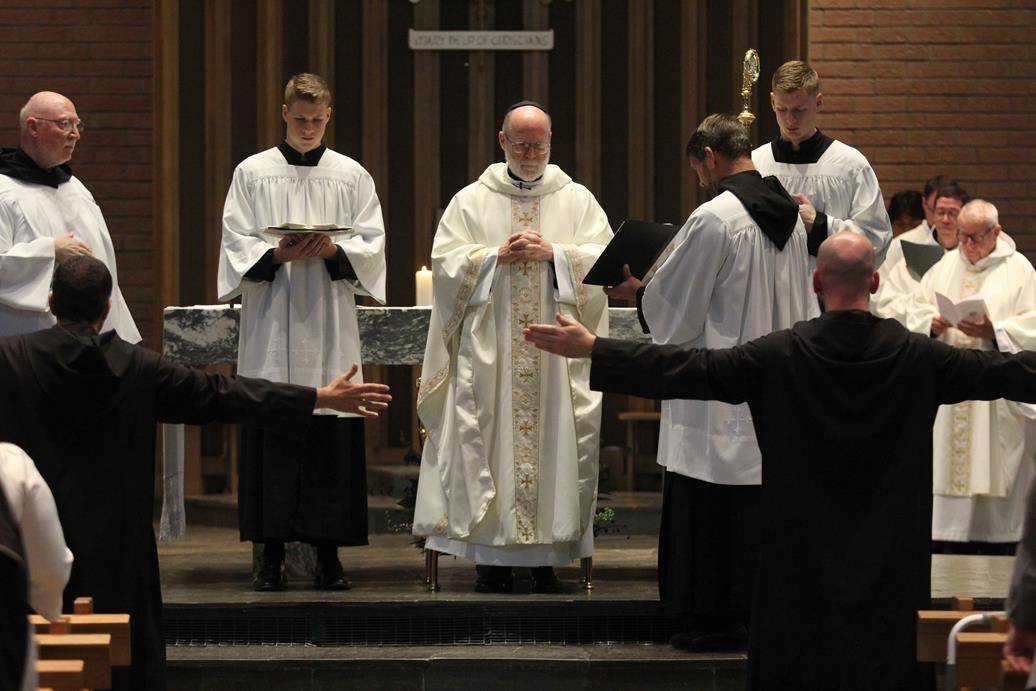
526, 246
297, 246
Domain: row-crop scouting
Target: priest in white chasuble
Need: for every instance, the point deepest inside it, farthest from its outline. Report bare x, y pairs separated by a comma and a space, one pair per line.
833, 183
298, 325
982, 450
739, 271
899, 283
509, 469
46, 216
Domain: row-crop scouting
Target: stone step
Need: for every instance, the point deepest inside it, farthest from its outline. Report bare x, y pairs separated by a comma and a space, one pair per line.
543, 667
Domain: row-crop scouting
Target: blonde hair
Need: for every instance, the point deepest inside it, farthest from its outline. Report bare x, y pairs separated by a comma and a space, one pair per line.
307, 86
794, 75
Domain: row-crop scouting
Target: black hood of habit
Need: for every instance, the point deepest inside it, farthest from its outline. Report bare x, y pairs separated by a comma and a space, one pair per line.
19, 165
767, 202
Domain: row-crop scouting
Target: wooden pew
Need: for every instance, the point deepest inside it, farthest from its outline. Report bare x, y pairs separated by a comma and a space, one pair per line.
61, 674
933, 629
980, 658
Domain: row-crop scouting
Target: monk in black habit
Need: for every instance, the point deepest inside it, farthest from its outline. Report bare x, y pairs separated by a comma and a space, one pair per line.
85, 405
843, 406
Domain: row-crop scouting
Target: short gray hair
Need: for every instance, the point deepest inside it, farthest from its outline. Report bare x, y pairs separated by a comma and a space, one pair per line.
980, 209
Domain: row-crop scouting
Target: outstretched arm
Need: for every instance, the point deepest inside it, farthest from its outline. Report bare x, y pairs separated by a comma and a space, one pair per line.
654, 371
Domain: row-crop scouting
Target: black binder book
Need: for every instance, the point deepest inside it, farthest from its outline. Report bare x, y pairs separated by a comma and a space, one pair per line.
637, 243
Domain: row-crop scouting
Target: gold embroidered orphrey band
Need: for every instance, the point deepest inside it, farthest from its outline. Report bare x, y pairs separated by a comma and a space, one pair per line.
525, 374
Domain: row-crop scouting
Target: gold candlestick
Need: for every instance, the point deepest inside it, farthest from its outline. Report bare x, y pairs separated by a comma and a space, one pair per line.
749, 76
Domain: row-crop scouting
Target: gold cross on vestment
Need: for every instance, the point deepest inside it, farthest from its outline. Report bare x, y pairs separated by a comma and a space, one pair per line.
525, 268
525, 219
525, 320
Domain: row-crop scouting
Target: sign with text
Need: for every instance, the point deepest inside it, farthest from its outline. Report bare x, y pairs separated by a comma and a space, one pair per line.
481, 40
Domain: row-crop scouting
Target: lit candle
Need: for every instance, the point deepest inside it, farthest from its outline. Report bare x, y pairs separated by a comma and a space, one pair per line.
423, 282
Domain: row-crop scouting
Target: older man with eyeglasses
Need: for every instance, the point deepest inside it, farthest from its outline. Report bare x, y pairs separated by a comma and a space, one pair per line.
982, 456
509, 470
46, 216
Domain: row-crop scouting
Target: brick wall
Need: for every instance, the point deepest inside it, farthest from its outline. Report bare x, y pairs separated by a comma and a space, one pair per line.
98, 53
936, 86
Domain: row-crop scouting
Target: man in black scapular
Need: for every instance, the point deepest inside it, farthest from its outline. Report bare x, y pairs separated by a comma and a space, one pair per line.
85, 404
843, 407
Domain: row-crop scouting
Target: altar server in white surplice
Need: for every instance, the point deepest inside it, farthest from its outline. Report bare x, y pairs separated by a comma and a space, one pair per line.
509, 470
982, 450
47, 215
833, 183
298, 325
738, 272
898, 283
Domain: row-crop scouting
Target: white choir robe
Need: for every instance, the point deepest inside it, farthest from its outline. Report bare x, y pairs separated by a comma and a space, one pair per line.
48, 561
896, 285
982, 450
842, 185
301, 328
31, 216
509, 469
725, 283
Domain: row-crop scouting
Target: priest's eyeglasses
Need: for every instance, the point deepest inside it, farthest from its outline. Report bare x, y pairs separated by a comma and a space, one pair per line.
538, 148
66, 124
972, 239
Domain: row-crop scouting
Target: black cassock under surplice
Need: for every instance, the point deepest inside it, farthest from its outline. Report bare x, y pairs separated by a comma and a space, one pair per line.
85, 407
313, 490
843, 407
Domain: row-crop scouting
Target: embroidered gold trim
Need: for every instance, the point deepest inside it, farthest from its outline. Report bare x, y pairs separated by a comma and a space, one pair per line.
578, 273
467, 287
961, 413
525, 376
960, 449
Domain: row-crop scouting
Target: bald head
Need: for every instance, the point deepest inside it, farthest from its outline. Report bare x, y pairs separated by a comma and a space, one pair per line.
525, 118
845, 275
50, 128
44, 104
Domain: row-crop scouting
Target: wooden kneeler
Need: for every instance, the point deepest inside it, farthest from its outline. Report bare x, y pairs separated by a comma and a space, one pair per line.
431, 571
61, 674
94, 649
88, 641
85, 621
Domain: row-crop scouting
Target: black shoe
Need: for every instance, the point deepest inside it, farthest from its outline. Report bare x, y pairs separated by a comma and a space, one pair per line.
544, 580
494, 579
270, 577
330, 576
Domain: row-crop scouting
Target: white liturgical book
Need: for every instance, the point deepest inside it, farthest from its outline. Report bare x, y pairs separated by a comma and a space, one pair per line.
972, 309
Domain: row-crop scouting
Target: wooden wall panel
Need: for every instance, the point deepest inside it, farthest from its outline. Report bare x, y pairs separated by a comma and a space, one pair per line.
269, 84
165, 140
535, 63
426, 137
481, 65
692, 69
640, 94
588, 95
217, 91
322, 50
